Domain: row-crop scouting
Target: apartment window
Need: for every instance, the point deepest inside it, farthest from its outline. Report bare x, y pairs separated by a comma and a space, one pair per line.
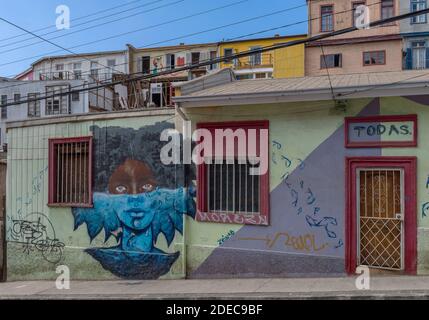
228, 53
70, 172
326, 18
3, 107
227, 191
171, 61
56, 103
94, 70
255, 59
77, 70
213, 55
373, 58
355, 15
33, 106
195, 57
75, 96
419, 53
387, 9
331, 61
16, 97
146, 65
59, 68
417, 5
111, 63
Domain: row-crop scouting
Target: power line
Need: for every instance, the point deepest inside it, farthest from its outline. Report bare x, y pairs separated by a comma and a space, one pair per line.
236, 56
48, 41
130, 32
75, 19
90, 27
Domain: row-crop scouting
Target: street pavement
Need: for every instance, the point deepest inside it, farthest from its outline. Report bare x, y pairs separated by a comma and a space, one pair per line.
381, 287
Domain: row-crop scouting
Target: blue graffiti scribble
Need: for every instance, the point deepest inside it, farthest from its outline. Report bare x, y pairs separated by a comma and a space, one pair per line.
287, 161
325, 223
294, 195
340, 244
316, 210
310, 197
301, 184
273, 158
299, 211
136, 221
425, 209
277, 145
301, 165
427, 183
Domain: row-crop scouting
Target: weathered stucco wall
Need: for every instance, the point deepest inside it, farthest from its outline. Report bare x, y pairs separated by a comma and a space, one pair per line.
307, 199
90, 241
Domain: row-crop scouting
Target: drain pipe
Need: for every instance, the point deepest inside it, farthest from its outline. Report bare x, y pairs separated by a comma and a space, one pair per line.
187, 139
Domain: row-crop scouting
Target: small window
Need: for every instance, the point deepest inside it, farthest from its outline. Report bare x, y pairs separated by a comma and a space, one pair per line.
195, 57
3, 107
354, 11
227, 190
331, 61
33, 106
75, 96
228, 53
387, 11
374, 58
16, 97
146, 65
70, 172
213, 56
326, 18
417, 5
56, 102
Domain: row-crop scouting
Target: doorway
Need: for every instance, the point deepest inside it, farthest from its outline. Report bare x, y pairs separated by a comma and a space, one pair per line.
381, 221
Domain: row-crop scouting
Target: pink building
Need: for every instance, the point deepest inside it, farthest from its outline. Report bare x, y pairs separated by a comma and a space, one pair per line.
362, 51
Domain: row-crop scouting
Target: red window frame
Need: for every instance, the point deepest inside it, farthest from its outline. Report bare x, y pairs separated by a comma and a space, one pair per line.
321, 18
203, 214
52, 170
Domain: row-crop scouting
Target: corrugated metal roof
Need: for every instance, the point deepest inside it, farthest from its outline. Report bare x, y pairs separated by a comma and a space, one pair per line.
307, 84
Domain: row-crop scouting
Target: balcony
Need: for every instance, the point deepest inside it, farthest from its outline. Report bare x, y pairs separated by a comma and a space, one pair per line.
264, 60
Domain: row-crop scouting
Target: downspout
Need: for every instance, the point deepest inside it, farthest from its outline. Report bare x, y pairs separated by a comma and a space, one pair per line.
186, 134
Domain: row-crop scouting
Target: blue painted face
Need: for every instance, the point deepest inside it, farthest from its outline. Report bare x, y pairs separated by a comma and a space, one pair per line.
135, 211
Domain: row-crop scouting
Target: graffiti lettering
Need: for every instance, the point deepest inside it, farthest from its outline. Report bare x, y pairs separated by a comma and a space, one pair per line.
226, 237
35, 236
326, 222
306, 242
425, 209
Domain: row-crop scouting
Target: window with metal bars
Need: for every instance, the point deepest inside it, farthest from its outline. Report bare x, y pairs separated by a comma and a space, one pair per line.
56, 102
227, 190
231, 189
70, 172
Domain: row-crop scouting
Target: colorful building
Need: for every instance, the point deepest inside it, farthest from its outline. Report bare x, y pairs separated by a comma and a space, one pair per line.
282, 63
362, 51
346, 183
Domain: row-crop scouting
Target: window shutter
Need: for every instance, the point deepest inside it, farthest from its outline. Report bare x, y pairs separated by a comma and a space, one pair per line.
140, 64
409, 59
205, 56
188, 58
427, 58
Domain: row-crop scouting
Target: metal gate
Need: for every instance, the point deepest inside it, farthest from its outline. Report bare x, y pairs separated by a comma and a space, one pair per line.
380, 212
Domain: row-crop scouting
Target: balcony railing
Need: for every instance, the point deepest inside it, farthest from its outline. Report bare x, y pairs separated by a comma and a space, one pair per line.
262, 60
93, 76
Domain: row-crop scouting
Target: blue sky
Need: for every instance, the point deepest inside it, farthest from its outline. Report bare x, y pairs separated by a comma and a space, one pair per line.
33, 15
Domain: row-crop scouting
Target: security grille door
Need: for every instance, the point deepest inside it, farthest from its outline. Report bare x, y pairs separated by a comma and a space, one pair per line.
380, 218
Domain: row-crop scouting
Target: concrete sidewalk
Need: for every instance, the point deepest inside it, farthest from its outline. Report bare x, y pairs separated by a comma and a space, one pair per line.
398, 287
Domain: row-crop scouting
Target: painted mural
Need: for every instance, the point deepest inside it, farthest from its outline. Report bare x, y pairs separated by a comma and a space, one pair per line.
135, 202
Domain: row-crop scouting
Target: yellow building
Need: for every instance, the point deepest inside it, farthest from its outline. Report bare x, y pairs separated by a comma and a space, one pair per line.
281, 63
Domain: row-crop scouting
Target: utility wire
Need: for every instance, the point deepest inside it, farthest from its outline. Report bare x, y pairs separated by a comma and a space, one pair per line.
235, 56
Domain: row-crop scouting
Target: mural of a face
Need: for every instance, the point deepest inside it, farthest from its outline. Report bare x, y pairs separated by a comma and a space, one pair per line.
132, 177
136, 210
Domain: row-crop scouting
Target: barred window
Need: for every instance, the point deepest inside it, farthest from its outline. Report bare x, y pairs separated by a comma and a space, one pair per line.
70, 172
33, 106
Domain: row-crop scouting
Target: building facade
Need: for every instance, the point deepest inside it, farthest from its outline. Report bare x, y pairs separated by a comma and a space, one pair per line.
75, 103
344, 185
282, 63
415, 32
363, 51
